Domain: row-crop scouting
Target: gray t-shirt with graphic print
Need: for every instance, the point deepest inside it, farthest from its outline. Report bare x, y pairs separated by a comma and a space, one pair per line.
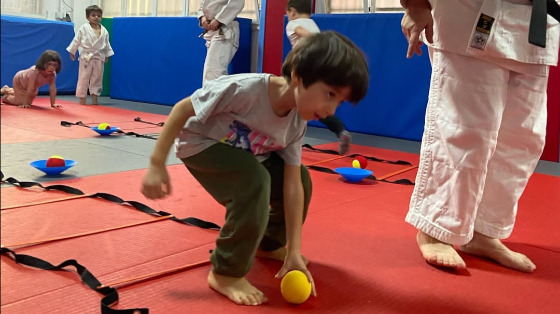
236, 110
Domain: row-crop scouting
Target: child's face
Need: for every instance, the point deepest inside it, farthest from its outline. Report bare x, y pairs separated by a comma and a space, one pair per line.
319, 100
94, 18
291, 13
51, 67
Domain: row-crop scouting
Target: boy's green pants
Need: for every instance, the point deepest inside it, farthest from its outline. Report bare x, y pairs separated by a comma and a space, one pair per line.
246, 188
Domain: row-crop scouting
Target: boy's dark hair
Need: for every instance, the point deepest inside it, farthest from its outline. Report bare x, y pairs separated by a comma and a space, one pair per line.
93, 8
46, 57
301, 6
331, 58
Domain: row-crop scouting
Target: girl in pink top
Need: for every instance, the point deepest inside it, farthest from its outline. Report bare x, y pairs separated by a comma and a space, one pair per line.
27, 82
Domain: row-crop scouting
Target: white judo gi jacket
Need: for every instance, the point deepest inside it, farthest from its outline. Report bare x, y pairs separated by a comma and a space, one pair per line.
93, 53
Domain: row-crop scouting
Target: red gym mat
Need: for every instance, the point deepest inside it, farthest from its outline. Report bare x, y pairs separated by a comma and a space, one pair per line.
362, 255
42, 123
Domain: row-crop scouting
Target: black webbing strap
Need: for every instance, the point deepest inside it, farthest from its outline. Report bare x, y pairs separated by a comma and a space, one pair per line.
334, 152
138, 119
136, 134
111, 295
115, 199
57, 187
150, 211
370, 177
69, 124
80, 123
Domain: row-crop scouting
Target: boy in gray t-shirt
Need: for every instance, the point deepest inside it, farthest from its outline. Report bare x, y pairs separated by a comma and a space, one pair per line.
240, 136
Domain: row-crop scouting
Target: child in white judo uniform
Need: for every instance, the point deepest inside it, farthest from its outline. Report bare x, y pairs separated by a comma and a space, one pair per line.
221, 32
92, 40
485, 124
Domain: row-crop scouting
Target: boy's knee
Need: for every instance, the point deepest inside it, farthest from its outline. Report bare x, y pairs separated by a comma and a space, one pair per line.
257, 180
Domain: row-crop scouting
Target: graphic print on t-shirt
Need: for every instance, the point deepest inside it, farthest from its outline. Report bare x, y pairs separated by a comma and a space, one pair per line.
241, 136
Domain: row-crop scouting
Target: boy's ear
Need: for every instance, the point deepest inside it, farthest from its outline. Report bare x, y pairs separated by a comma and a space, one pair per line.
295, 78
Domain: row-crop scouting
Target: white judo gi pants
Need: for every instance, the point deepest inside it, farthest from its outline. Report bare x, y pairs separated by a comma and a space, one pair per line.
484, 134
90, 76
221, 49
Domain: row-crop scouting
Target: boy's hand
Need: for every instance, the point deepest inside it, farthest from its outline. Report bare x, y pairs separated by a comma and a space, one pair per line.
214, 25
204, 22
296, 262
418, 16
156, 183
24, 106
72, 56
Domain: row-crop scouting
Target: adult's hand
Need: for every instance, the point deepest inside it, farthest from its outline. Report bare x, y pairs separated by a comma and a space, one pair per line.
417, 17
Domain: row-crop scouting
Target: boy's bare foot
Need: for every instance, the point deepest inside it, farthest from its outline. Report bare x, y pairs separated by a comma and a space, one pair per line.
239, 290
277, 255
494, 249
5, 89
438, 253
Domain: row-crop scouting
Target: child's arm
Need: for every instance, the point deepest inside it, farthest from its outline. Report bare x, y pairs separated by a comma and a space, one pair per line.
74, 44
52, 94
157, 177
293, 211
30, 92
302, 32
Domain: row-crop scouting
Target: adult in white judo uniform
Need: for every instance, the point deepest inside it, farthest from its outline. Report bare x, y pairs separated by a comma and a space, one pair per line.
485, 124
93, 41
221, 32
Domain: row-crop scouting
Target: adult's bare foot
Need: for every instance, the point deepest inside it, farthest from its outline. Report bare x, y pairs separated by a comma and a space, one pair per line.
238, 290
495, 250
438, 253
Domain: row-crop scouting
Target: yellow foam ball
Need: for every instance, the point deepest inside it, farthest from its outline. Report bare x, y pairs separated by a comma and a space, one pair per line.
295, 287
104, 126
356, 164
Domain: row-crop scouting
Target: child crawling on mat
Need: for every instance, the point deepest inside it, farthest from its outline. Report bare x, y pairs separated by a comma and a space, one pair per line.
241, 137
26, 83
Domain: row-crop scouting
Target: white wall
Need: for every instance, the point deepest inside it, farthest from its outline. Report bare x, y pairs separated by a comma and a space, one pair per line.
77, 11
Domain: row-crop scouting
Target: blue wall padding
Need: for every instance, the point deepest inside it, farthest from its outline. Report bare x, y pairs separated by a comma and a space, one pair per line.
395, 105
160, 59
23, 41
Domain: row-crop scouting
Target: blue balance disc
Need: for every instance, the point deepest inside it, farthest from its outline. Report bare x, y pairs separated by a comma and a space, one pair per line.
353, 174
106, 131
52, 171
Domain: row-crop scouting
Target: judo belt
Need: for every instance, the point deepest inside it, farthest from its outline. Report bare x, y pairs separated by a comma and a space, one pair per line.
115, 199
80, 123
111, 295
334, 152
537, 27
